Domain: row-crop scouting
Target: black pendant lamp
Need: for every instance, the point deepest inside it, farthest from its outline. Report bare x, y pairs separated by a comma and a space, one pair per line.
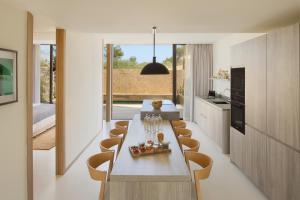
154, 68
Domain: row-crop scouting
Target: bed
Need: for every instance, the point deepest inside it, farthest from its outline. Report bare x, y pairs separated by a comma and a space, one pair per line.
43, 118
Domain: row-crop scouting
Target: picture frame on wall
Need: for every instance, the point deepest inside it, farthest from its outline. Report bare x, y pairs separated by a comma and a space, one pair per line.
8, 76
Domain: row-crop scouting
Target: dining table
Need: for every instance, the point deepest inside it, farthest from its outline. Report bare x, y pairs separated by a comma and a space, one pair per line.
167, 111
164, 176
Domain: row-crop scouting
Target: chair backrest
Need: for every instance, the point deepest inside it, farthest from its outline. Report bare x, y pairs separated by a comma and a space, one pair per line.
95, 161
116, 132
183, 132
178, 124
201, 159
193, 144
106, 144
122, 124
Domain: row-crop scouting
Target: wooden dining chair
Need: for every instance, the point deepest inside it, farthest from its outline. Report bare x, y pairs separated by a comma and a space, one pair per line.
122, 124
192, 144
117, 132
199, 174
184, 132
178, 124
103, 176
107, 144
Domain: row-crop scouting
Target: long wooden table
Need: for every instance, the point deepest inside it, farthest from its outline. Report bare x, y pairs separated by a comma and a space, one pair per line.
152, 177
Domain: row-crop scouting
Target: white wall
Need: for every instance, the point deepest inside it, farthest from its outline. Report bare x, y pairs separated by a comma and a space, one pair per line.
13, 145
163, 38
222, 58
44, 37
83, 91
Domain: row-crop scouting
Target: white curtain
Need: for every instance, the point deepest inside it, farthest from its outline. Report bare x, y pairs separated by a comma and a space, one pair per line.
198, 70
188, 84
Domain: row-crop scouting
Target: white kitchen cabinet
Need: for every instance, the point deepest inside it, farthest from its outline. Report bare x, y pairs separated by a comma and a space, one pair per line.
214, 121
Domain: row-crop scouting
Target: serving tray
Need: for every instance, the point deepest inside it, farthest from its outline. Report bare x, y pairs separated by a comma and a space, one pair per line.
154, 150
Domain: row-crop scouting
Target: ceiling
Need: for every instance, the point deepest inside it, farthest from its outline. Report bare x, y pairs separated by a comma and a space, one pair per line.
171, 16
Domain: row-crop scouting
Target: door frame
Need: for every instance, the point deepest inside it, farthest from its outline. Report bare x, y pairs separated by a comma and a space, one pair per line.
59, 115
29, 100
60, 132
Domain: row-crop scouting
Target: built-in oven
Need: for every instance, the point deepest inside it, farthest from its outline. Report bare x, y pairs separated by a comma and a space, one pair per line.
238, 99
238, 116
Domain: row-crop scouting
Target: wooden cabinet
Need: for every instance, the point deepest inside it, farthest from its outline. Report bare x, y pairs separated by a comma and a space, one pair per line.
197, 111
255, 157
283, 85
238, 55
269, 152
236, 147
213, 121
200, 113
252, 55
249, 153
255, 82
283, 164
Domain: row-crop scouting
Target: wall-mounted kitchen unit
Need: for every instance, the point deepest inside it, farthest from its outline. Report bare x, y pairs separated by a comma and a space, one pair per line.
269, 151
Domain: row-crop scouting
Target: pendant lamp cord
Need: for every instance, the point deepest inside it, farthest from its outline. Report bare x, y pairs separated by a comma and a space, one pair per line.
154, 32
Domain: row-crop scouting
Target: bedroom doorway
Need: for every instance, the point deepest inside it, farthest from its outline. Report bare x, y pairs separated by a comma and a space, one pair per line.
44, 96
44, 165
43, 114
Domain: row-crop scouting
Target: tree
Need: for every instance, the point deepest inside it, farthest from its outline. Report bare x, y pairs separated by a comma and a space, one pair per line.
179, 57
179, 53
44, 62
132, 59
118, 53
168, 62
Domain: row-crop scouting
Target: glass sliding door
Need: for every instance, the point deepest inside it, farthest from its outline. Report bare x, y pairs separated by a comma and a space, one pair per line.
129, 88
178, 65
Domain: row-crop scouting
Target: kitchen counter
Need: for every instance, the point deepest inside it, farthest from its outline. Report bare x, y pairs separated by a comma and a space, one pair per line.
214, 120
218, 106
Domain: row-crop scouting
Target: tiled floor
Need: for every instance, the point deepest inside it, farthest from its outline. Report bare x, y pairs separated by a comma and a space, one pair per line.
225, 183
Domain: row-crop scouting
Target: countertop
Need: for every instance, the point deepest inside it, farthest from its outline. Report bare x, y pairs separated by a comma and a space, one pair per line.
219, 106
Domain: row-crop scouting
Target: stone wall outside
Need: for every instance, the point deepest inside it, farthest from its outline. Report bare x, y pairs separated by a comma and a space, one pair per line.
129, 82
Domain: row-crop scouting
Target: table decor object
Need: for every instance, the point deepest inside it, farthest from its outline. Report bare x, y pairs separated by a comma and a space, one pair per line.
157, 104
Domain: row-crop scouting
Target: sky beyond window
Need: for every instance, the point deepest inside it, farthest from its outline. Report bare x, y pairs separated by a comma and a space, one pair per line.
144, 53
45, 52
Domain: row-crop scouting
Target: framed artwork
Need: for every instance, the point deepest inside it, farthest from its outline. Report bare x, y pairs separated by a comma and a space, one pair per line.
8, 76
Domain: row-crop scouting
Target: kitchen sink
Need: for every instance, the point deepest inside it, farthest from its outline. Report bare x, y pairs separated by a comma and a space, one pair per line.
220, 102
